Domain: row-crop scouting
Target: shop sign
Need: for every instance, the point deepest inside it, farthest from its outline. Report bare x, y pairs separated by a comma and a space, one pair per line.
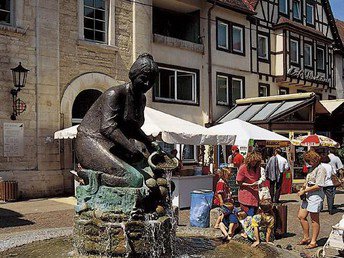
307, 75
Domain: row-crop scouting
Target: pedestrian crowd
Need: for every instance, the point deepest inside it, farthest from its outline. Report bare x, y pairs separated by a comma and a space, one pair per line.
258, 200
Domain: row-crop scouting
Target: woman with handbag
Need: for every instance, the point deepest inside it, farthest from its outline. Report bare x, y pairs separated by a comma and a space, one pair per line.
312, 196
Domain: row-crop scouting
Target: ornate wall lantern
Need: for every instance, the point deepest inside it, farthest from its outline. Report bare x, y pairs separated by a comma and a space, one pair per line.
19, 79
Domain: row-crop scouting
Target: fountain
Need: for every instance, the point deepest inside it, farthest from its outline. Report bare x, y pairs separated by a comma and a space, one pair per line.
124, 208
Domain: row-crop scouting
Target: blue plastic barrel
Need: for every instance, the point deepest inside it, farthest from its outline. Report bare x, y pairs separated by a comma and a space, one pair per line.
201, 203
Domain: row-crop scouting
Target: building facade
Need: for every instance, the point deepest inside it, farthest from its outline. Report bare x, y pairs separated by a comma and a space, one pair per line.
74, 51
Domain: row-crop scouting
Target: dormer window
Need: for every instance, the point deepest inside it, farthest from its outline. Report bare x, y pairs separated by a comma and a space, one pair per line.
283, 6
310, 14
296, 10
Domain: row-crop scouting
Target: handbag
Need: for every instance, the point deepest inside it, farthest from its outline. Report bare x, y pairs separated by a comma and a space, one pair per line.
335, 180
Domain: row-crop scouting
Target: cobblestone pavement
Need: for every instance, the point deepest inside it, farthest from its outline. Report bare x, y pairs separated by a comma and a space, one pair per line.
44, 214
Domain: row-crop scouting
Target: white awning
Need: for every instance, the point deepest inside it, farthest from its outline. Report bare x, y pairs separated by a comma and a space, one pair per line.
332, 105
172, 129
245, 131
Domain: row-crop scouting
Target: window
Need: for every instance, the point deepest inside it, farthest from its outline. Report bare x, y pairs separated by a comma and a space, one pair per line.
5, 11
330, 65
310, 14
320, 59
294, 51
222, 35
178, 25
176, 85
189, 153
331, 97
238, 39
95, 20
296, 9
229, 89
263, 90
263, 47
222, 90
283, 91
283, 6
343, 67
308, 55
237, 90
319, 96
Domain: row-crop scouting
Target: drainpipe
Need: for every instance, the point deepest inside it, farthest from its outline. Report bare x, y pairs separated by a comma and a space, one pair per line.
210, 69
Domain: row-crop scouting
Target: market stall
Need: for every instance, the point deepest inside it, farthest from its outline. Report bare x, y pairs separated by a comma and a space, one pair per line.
249, 136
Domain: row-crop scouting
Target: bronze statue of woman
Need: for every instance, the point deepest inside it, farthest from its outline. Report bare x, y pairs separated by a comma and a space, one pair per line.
103, 141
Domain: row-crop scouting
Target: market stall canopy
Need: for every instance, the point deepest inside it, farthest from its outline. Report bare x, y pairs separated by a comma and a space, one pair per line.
172, 130
267, 109
245, 131
332, 105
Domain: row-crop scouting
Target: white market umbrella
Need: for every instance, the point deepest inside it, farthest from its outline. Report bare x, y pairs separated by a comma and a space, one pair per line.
245, 131
172, 129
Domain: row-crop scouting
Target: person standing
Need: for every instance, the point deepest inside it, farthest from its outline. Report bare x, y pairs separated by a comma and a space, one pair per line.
329, 188
237, 158
275, 168
312, 196
247, 179
335, 162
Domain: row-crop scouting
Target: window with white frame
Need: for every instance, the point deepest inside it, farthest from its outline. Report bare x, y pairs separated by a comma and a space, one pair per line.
283, 91
222, 90
237, 90
186, 153
283, 6
320, 58
263, 90
294, 51
5, 11
297, 9
238, 39
176, 85
263, 47
189, 153
229, 89
222, 35
95, 20
309, 13
308, 55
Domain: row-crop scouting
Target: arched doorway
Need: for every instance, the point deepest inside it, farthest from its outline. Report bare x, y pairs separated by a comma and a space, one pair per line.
82, 103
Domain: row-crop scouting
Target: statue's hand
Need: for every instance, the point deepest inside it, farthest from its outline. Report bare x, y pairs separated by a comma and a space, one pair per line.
137, 156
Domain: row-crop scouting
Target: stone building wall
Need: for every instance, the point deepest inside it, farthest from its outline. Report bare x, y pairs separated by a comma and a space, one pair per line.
45, 37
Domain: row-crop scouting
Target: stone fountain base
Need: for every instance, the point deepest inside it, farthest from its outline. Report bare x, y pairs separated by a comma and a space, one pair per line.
107, 222
115, 235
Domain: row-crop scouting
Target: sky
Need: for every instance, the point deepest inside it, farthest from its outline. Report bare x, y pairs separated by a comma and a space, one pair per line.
338, 9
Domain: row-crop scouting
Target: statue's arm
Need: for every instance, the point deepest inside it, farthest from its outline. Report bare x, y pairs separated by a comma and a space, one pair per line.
111, 109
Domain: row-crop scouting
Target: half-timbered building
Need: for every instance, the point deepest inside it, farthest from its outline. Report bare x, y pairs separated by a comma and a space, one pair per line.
292, 46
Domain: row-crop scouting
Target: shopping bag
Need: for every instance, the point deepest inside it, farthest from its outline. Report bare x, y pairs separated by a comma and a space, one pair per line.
281, 213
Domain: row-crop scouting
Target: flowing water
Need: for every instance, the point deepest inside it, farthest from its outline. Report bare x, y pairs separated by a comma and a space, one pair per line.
187, 247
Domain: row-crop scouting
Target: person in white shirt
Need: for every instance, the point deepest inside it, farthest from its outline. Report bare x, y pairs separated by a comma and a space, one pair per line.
335, 162
275, 168
329, 188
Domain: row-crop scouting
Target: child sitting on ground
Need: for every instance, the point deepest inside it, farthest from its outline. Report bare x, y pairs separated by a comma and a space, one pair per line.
263, 223
223, 192
246, 223
229, 221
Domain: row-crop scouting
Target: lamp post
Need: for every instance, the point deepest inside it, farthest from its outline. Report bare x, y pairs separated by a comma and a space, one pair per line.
19, 74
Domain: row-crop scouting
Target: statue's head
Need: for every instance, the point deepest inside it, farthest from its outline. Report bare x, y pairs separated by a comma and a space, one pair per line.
143, 73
